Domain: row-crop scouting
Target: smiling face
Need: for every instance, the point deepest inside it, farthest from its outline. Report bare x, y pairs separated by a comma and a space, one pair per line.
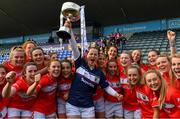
101, 60
136, 55
176, 66
153, 81
92, 57
112, 52
54, 69
66, 69
152, 56
125, 59
163, 64
38, 56
133, 76
30, 73
28, 49
112, 67
18, 58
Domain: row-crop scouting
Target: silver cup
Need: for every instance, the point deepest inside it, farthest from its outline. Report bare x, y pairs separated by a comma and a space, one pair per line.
71, 12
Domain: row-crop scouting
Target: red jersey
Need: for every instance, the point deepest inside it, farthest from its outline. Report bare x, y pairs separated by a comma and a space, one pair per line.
10, 67
64, 86
3, 101
142, 92
153, 100
144, 67
152, 67
165, 75
129, 95
147, 100
46, 100
114, 82
172, 102
21, 100
99, 93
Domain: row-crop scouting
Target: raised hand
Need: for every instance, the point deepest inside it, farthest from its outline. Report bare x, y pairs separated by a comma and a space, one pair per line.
10, 76
171, 35
37, 77
68, 24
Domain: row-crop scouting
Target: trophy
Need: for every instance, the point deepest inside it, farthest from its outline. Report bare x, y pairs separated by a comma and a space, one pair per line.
71, 12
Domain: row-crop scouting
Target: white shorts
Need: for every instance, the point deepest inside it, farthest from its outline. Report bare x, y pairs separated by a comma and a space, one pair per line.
113, 109
3, 112
39, 115
99, 105
72, 110
14, 112
61, 106
136, 114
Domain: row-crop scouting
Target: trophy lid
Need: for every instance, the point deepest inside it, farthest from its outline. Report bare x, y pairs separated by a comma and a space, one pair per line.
71, 10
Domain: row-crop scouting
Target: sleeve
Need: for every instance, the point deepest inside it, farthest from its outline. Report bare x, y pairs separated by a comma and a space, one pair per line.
110, 91
18, 85
43, 82
103, 82
72, 41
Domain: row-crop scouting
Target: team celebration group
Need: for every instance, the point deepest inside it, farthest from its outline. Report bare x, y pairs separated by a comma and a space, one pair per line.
92, 85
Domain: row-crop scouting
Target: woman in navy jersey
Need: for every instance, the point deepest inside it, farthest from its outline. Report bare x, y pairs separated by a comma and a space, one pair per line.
87, 77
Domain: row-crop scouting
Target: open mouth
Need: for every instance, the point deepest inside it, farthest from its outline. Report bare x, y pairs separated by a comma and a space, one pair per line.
177, 73
154, 87
133, 81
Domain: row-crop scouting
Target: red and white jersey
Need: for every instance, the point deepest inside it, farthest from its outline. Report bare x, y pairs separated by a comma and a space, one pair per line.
46, 100
129, 95
114, 82
3, 101
153, 100
21, 100
142, 92
10, 67
147, 100
64, 86
172, 102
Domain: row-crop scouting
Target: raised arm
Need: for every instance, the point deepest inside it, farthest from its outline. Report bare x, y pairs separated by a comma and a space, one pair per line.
72, 41
172, 41
8, 90
32, 88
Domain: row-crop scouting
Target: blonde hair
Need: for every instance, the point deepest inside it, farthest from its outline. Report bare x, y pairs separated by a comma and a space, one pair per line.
172, 76
163, 88
140, 81
16, 48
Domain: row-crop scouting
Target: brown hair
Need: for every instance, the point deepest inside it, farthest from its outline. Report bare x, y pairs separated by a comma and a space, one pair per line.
112, 60
2, 66
25, 66
29, 41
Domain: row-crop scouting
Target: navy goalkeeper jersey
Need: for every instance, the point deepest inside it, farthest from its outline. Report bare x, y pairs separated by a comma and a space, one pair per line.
85, 84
